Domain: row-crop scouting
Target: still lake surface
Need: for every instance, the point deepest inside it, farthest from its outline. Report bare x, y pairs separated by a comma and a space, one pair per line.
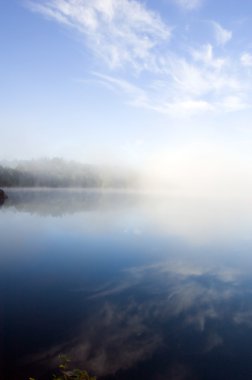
128, 285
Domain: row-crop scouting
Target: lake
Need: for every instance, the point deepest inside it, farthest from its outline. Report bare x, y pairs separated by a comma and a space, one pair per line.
127, 285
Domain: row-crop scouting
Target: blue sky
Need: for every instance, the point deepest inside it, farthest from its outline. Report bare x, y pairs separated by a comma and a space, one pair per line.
125, 81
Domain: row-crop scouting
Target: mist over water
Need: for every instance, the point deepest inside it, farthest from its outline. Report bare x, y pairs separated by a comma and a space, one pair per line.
192, 217
128, 284
140, 271
196, 169
202, 170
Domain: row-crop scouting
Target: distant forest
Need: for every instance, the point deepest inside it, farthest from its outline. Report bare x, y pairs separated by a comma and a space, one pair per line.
58, 173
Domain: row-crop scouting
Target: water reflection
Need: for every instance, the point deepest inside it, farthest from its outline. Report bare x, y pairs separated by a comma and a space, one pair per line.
180, 313
59, 202
195, 219
3, 197
122, 284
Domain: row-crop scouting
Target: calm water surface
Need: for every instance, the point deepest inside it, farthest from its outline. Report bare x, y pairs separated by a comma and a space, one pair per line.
129, 286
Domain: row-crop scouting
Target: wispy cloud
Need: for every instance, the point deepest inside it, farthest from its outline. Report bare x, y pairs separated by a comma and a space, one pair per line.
186, 88
205, 55
137, 94
246, 59
118, 31
135, 49
222, 35
188, 4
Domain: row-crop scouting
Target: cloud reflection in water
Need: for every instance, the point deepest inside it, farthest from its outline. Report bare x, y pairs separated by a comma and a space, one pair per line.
161, 309
148, 286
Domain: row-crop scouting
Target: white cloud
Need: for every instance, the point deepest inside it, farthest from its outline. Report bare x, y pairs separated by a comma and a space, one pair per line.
117, 31
188, 4
137, 95
186, 89
246, 59
222, 35
131, 44
233, 103
206, 56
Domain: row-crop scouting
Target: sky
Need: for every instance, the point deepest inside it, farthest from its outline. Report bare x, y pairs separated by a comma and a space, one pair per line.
128, 81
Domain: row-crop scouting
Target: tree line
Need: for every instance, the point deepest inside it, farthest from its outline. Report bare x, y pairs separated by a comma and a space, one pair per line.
57, 173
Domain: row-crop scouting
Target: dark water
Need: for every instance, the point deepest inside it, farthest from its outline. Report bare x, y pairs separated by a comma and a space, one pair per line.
129, 286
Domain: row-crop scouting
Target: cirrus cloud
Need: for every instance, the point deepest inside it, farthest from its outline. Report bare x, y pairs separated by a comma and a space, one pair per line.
117, 31
222, 35
138, 55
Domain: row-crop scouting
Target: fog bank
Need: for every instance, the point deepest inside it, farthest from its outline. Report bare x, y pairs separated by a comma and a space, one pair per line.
199, 170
